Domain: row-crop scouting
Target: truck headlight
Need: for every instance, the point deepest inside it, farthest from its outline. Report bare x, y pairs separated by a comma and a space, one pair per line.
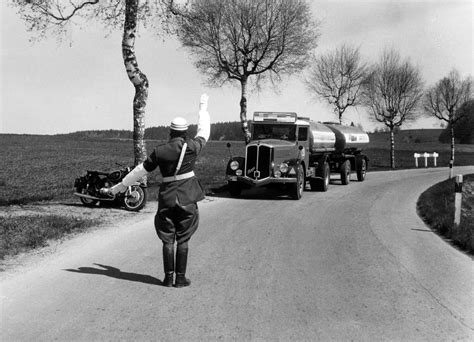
238, 172
284, 167
234, 165
277, 174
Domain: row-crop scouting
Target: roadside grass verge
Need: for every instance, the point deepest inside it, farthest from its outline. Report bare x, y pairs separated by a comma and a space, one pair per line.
436, 208
25, 232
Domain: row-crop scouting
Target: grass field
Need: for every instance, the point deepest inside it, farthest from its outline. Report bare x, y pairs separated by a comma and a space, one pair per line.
38, 168
409, 142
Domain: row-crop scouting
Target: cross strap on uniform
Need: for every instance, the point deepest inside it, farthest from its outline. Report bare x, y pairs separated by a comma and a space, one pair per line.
181, 157
178, 167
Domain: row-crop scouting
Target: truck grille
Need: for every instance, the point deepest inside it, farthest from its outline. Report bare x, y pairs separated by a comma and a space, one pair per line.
258, 161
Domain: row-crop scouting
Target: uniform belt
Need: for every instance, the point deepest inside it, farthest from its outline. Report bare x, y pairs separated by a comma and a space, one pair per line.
178, 177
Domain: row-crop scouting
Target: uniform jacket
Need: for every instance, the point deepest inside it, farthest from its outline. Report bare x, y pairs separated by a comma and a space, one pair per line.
166, 156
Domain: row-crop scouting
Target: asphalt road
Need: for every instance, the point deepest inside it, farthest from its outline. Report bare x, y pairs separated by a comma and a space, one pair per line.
354, 263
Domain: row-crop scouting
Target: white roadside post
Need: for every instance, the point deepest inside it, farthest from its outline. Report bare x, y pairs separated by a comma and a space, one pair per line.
451, 162
416, 155
457, 200
426, 155
435, 155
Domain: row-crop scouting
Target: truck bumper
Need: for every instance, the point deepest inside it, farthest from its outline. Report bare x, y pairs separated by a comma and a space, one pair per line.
260, 182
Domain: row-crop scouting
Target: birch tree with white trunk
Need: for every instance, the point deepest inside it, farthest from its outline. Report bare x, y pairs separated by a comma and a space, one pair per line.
392, 93
444, 99
46, 18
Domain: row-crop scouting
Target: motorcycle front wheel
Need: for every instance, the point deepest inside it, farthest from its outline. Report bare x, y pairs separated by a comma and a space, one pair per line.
135, 198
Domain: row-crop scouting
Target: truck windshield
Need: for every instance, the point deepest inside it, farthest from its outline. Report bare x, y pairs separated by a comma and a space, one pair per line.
281, 132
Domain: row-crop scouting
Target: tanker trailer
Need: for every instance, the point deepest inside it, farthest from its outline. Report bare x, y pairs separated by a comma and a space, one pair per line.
336, 148
286, 151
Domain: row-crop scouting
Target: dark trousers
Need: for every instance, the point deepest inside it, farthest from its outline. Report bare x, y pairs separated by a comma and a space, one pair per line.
177, 223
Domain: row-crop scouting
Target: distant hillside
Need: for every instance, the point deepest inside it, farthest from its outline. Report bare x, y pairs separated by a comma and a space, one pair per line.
219, 131
409, 136
232, 131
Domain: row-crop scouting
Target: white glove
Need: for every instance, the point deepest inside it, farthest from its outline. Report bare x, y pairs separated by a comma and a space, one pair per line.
135, 175
203, 102
120, 187
204, 121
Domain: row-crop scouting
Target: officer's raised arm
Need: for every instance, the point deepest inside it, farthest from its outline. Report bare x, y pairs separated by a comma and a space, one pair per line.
204, 122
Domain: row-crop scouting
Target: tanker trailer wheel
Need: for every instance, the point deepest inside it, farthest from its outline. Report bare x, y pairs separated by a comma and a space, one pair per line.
298, 187
321, 184
362, 171
346, 172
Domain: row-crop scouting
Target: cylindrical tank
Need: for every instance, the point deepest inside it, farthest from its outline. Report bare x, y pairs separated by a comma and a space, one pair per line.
329, 137
348, 137
321, 138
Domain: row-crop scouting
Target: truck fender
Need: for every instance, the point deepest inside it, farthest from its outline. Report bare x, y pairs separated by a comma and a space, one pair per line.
293, 163
240, 160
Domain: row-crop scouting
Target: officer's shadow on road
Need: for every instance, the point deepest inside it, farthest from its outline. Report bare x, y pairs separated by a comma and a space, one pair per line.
114, 272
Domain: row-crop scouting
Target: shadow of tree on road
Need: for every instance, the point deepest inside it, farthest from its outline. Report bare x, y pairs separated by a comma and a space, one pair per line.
114, 272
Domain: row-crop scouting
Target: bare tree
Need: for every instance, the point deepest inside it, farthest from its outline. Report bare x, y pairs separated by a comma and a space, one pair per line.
444, 99
232, 40
392, 93
52, 18
337, 77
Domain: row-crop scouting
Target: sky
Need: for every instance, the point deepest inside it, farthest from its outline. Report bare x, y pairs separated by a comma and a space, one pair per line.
50, 87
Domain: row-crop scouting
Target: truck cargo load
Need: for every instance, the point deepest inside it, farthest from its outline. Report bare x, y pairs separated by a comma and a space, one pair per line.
348, 137
329, 137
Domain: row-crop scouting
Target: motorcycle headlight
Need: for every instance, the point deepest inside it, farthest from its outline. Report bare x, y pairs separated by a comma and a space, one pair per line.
234, 165
284, 167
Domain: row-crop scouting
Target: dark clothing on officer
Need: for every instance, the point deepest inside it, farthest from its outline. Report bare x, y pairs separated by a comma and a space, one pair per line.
178, 215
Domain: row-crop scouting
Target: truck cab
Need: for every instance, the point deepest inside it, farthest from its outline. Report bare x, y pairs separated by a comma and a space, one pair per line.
276, 154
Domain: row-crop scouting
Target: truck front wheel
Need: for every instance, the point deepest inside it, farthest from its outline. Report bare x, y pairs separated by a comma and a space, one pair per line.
298, 187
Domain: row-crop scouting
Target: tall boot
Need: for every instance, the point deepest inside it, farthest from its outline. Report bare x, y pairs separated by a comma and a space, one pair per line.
168, 264
181, 262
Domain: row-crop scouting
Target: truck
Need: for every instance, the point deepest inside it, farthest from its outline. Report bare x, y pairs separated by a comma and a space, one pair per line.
289, 151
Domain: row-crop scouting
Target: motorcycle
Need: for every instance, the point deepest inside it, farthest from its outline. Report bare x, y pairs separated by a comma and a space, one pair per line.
92, 188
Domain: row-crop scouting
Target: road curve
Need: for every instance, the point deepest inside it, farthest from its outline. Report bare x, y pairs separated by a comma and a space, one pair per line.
354, 263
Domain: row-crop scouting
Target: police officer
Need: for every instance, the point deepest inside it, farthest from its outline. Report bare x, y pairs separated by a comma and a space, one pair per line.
177, 217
